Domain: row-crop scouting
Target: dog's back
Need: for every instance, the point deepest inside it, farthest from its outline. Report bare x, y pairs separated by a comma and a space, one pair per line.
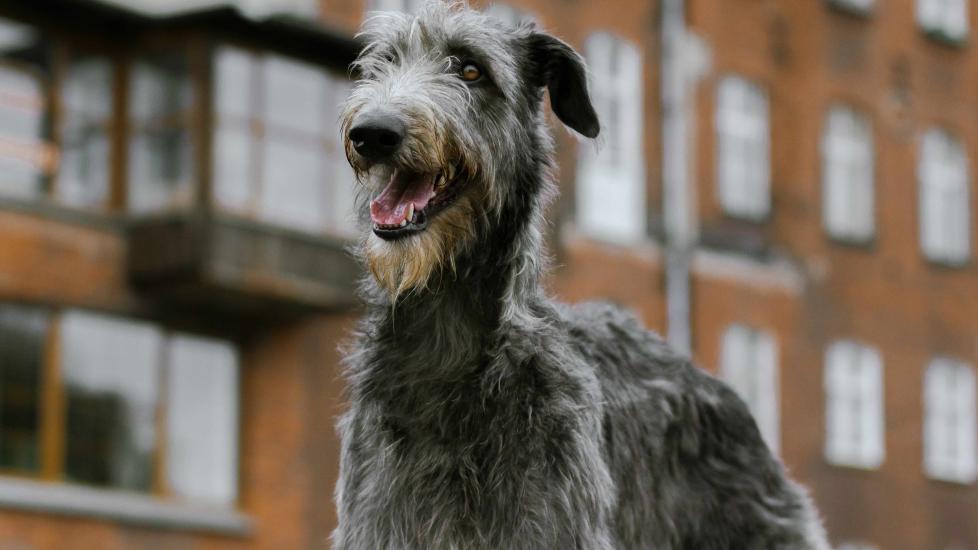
686, 457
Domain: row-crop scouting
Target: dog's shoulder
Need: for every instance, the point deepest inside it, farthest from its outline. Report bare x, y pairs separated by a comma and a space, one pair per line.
639, 370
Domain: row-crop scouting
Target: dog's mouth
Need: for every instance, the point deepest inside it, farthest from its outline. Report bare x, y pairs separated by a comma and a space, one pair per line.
411, 199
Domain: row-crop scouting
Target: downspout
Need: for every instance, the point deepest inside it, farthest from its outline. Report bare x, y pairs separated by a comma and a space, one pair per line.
677, 211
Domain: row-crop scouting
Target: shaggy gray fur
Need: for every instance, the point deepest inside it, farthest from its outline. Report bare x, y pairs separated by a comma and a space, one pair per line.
484, 415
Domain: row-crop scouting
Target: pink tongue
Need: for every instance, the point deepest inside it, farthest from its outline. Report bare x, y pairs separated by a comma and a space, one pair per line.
391, 206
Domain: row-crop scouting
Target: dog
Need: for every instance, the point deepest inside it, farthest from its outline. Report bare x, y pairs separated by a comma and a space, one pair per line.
482, 413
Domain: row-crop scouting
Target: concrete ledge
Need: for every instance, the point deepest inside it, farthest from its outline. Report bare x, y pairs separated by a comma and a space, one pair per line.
120, 506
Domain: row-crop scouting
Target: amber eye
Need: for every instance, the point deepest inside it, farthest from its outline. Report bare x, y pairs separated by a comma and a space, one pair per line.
470, 72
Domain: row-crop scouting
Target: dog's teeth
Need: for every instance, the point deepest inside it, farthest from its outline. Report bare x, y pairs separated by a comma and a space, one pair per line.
410, 212
403, 223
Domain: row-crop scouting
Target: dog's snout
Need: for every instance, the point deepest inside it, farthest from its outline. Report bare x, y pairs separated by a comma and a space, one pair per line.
377, 137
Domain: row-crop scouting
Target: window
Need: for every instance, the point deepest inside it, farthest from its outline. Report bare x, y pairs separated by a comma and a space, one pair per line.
277, 153
160, 142
86, 125
944, 197
22, 347
854, 405
116, 383
110, 373
945, 18
749, 363
202, 430
408, 6
950, 447
611, 176
27, 156
743, 148
508, 14
847, 175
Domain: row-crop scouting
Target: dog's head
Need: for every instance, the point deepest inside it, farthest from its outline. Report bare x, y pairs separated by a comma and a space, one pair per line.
447, 111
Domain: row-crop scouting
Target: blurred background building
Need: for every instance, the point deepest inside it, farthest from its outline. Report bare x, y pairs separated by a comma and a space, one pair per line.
783, 188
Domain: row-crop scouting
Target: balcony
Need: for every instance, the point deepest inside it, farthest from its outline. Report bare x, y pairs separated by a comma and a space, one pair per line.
210, 138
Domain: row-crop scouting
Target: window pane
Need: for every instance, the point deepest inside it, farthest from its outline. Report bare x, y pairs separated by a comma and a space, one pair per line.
202, 420
743, 148
233, 177
236, 107
234, 78
854, 405
293, 190
340, 179
110, 368
25, 159
294, 95
871, 446
83, 178
22, 338
944, 204
160, 150
847, 174
950, 451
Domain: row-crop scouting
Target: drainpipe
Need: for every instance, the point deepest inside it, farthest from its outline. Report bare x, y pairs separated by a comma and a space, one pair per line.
677, 211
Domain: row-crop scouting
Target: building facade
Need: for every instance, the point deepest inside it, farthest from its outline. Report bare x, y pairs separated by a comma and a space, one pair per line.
170, 315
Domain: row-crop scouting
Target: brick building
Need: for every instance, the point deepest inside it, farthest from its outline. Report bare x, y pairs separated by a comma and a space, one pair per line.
784, 188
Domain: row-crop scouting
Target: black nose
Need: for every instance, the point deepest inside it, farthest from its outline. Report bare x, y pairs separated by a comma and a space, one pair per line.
377, 137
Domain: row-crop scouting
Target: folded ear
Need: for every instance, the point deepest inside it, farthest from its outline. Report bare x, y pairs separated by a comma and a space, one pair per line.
562, 71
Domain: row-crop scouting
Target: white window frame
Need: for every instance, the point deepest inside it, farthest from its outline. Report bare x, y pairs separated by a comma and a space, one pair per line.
848, 179
203, 419
610, 198
749, 364
201, 471
743, 148
944, 198
950, 431
946, 18
854, 405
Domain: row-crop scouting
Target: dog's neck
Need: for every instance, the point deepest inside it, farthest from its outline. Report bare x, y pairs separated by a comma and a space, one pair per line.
496, 281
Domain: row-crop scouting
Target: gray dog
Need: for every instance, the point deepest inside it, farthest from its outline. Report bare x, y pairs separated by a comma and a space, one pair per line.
483, 415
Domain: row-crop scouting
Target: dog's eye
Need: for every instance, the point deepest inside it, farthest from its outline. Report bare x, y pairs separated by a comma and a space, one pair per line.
470, 72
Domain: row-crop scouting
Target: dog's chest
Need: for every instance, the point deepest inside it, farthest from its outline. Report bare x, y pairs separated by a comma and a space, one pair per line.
465, 464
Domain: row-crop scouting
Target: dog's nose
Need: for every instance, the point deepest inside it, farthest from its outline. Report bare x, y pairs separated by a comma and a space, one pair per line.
377, 137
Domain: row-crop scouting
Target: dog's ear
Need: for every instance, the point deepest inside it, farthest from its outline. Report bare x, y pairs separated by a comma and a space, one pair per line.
562, 71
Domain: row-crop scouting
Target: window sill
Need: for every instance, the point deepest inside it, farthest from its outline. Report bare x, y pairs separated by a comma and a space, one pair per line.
948, 263
867, 243
949, 480
853, 466
647, 245
848, 8
939, 36
121, 506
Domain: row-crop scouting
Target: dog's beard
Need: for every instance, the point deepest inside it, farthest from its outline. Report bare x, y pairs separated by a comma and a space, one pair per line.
411, 264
